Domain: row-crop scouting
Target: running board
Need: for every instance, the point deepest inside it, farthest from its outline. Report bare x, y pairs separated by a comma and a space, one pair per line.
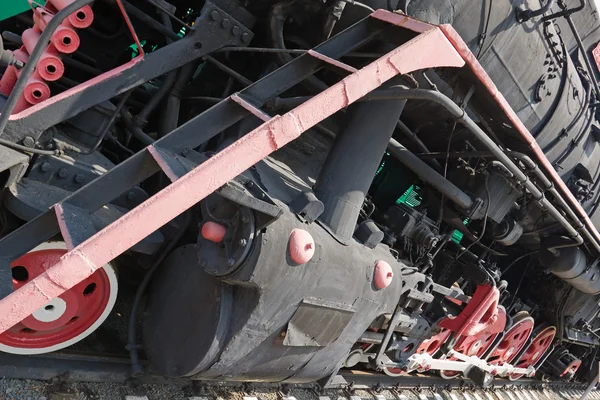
428, 48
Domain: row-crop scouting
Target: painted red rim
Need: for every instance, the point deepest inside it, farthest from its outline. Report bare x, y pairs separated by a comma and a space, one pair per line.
513, 342
63, 319
476, 345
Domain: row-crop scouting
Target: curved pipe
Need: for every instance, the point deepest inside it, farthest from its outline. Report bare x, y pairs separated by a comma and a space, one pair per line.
142, 118
526, 15
135, 130
277, 18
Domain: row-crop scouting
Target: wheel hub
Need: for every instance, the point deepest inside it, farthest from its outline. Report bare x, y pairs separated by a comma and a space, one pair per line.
66, 319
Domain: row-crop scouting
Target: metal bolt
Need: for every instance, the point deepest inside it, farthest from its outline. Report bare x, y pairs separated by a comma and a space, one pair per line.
45, 167
226, 23
215, 15
62, 173
236, 31
231, 262
245, 37
28, 141
78, 178
130, 195
243, 242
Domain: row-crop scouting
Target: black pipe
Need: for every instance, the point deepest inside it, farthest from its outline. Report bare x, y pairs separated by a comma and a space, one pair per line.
148, 20
429, 175
34, 58
277, 17
132, 346
142, 118
170, 117
110, 123
526, 15
134, 129
236, 75
352, 162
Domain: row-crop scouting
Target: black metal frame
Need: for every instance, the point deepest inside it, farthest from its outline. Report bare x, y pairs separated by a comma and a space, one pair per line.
182, 140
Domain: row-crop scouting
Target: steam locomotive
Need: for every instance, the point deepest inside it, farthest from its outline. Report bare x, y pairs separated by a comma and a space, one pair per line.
435, 210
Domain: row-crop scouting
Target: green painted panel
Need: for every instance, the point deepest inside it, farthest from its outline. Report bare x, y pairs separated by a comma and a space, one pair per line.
9, 8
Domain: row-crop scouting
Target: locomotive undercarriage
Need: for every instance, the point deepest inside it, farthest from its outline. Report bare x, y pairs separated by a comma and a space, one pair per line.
286, 267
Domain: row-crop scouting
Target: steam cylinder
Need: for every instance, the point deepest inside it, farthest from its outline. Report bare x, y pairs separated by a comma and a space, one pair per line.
572, 267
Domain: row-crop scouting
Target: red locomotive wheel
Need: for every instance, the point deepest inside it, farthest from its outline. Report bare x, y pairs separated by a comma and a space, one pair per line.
66, 319
513, 340
536, 350
476, 345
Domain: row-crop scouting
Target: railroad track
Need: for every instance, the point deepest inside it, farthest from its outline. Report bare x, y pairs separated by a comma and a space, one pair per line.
76, 370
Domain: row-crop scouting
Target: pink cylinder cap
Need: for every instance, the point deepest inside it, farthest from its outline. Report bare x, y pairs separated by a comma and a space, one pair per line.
81, 18
213, 232
36, 90
65, 39
302, 246
383, 274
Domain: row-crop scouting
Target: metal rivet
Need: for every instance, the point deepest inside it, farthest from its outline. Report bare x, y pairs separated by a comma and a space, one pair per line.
130, 195
78, 178
45, 167
62, 173
236, 30
215, 15
243, 242
226, 23
28, 141
245, 37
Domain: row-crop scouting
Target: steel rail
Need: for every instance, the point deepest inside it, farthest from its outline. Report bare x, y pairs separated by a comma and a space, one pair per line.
79, 366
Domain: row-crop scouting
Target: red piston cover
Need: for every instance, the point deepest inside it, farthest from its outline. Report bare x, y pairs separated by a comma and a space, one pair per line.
81, 18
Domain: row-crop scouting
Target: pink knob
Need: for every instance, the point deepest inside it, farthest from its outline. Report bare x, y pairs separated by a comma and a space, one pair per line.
213, 232
383, 274
302, 246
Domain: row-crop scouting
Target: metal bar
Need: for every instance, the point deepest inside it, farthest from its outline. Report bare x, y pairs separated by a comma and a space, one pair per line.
257, 112
331, 61
209, 176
